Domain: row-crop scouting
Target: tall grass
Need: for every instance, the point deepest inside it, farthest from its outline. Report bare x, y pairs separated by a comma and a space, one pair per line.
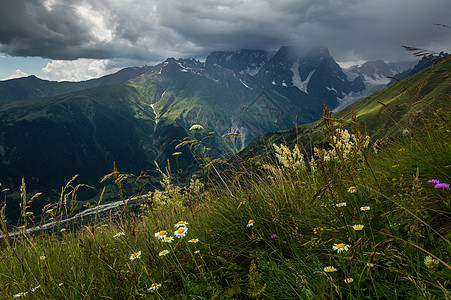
351, 220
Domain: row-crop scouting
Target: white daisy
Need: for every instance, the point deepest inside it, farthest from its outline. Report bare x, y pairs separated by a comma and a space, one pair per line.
180, 224
119, 234
154, 287
365, 208
340, 247
161, 234
24, 294
42, 257
352, 190
250, 223
181, 232
330, 269
349, 280
168, 239
193, 241
135, 255
163, 253
341, 204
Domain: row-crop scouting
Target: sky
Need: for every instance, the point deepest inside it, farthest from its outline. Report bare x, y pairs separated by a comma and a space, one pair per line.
80, 39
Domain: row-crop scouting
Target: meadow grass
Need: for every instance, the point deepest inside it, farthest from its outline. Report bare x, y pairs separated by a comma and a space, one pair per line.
355, 220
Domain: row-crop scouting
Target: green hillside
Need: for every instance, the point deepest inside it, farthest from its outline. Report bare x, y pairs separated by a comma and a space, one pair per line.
360, 217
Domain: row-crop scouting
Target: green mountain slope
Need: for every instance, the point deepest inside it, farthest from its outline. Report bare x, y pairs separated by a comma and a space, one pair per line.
394, 110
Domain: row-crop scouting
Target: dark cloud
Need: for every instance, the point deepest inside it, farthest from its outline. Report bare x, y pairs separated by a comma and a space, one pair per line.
153, 30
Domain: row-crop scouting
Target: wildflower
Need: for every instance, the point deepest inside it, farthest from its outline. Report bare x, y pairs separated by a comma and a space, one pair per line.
193, 241
340, 247
161, 234
135, 255
23, 294
365, 208
341, 204
434, 181
330, 269
274, 236
180, 224
181, 232
430, 262
196, 127
42, 257
349, 280
369, 265
352, 190
357, 227
163, 253
250, 223
168, 239
119, 234
197, 252
395, 166
35, 288
154, 287
63, 230
442, 186
284, 242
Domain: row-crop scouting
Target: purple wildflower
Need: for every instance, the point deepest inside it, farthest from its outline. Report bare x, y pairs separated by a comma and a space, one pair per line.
434, 181
274, 236
284, 242
442, 186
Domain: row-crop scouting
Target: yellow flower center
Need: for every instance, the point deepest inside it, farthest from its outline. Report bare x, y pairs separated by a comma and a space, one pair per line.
167, 239
181, 230
135, 254
164, 252
352, 188
250, 221
339, 246
162, 232
154, 284
181, 222
340, 204
365, 207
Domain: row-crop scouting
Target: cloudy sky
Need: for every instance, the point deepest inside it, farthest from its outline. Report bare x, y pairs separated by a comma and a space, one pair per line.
81, 39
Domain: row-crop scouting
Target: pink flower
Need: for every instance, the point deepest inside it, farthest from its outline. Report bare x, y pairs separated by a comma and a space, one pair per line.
442, 186
435, 181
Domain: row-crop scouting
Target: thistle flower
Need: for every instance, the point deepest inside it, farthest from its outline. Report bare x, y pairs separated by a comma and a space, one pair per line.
119, 234
154, 287
352, 190
135, 255
341, 204
329, 269
180, 224
181, 232
357, 227
161, 234
193, 241
340, 247
250, 223
365, 208
168, 239
163, 253
444, 186
196, 127
434, 181
349, 280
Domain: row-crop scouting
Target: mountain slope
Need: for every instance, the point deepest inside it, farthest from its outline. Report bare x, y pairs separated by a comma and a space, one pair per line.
394, 110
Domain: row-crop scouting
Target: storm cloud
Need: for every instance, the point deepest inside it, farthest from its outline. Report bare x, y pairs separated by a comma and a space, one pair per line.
152, 30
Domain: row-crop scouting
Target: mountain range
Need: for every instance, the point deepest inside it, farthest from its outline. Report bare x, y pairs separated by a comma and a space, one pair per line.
50, 131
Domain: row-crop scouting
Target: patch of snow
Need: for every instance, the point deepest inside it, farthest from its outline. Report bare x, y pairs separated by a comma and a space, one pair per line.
284, 84
332, 89
273, 82
297, 80
376, 79
244, 84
